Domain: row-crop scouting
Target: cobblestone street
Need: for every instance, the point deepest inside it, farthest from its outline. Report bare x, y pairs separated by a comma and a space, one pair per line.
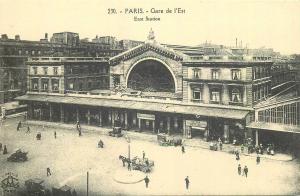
70, 157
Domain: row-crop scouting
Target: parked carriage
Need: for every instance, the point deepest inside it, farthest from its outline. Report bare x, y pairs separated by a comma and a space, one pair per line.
116, 132
165, 140
35, 187
62, 191
18, 156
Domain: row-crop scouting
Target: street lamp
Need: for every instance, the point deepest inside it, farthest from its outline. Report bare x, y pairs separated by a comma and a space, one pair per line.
128, 141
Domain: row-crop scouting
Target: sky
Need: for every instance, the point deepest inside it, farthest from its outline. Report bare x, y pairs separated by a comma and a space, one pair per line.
271, 24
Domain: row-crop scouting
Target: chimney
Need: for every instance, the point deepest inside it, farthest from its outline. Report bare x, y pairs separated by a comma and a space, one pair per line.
236, 42
46, 36
17, 37
4, 37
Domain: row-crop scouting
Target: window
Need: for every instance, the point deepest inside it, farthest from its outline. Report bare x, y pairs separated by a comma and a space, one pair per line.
196, 95
196, 73
55, 70
254, 73
55, 86
45, 70
215, 96
215, 74
34, 70
33, 52
35, 86
45, 86
236, 96
71, 86
236, 74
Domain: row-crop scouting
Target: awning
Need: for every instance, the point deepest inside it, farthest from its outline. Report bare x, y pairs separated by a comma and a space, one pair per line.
274, 127
211, 111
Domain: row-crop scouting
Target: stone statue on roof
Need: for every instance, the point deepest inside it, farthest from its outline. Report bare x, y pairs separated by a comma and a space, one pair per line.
151, 36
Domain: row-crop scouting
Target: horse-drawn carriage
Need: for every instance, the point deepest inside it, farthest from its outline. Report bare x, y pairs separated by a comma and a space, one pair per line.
165, 140
18, 156
116, 132
144, 165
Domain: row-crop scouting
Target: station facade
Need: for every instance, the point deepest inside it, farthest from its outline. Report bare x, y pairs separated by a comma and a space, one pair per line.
150, 88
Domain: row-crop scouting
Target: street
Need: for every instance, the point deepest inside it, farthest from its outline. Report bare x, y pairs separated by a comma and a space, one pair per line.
70, 157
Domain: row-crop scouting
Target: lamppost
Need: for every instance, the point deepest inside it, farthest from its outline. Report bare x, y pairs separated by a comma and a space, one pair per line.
87, 183
128, 141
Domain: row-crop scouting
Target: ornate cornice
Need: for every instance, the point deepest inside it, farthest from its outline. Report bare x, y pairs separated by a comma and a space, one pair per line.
164, 51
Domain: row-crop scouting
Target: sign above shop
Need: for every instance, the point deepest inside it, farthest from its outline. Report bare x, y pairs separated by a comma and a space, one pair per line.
146, 116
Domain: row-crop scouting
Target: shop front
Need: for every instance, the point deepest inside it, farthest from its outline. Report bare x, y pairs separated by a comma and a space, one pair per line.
196, 129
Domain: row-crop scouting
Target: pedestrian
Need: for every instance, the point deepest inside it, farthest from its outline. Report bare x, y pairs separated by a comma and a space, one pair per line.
129, 166
19, 126
246, 171
187, 182
28, 129
54, 134
4, 150
257, 159
237, 156
146, 179
221, 145
239, 169
48, 171
144, 155
182, 149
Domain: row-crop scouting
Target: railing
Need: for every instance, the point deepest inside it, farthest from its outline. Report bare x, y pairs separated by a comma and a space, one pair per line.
69, 59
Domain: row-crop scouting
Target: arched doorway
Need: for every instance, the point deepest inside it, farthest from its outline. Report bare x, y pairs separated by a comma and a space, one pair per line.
151, 76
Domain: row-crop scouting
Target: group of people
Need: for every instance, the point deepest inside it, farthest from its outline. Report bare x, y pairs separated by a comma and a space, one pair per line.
19, 126
245, 170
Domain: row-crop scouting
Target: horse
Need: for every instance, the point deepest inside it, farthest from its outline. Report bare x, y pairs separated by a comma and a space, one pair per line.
124, 160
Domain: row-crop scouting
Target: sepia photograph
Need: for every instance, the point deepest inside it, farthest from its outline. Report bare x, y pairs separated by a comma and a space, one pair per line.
149, 97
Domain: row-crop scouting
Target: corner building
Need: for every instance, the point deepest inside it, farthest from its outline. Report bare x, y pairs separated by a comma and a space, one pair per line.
150, 88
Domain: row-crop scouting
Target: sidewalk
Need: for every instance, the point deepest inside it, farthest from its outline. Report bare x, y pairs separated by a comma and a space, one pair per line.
92, 129
231, 148
146, 136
